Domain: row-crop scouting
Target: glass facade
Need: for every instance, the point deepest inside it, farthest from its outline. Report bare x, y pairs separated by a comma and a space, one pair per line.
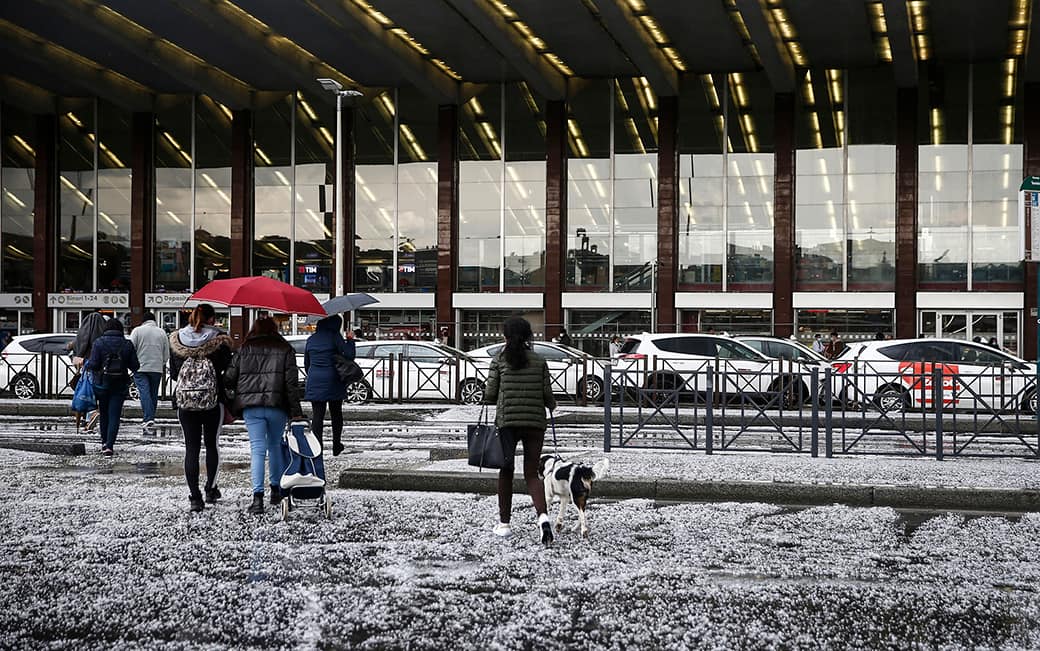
272, 190
726, 184
970, 160
396, 194
314, 170
17, 187
174, 200
845, 198
76, 196
502, 190
212, 228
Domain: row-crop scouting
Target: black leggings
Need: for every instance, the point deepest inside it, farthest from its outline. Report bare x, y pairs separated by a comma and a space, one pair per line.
533, 440
318, 419
199, 425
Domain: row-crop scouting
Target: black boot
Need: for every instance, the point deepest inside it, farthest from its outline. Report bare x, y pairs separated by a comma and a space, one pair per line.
257, 507
276, 495
212, 495
337, 445
196, 503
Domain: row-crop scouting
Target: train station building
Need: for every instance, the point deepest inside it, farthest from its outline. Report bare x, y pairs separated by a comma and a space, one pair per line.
607, 166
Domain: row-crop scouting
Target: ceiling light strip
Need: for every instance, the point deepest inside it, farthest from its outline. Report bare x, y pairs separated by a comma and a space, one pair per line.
652, 29
532, 39
402, 34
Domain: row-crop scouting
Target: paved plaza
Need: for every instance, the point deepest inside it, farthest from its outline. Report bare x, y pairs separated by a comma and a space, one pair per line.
103, 552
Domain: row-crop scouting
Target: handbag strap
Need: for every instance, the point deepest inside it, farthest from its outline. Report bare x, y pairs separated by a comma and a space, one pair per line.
552, 423
482, 418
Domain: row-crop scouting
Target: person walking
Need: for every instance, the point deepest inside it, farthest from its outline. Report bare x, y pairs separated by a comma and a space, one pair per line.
111, 358
199, 354
565, 338
266, 384
153, 352
834, 347
325, 389
92, 327
518, 384
615, 346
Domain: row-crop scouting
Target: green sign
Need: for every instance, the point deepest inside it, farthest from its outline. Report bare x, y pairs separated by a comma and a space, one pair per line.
1030, 183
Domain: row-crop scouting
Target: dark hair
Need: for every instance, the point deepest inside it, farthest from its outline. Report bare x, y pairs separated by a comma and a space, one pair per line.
201, 315
114, 324
263, 327
147, 316
518, 340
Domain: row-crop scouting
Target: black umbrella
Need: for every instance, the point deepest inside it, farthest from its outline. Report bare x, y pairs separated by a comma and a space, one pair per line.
345, 303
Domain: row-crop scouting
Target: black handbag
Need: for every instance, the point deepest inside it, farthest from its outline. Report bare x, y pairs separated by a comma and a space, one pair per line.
347, 369
485, 446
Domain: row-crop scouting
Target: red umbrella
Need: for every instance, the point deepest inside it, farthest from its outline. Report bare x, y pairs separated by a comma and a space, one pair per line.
259, 292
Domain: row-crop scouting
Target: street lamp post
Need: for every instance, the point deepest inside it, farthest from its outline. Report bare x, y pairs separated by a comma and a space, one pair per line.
334, 86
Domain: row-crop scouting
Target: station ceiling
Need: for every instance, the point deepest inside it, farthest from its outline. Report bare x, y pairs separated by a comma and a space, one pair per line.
249, 53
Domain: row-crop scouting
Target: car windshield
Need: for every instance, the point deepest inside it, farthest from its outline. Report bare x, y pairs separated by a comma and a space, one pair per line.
451, 352
574, 351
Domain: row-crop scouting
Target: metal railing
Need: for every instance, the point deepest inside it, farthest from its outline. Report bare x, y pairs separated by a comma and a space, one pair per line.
917, 408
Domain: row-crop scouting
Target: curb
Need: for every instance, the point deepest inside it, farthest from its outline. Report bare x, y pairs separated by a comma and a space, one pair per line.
791, 493
47, 447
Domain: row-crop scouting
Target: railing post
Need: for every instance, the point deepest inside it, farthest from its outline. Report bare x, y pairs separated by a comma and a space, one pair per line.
606, 408
709, 425
582, 384
828, 413
814, 397
388, 373
937, 403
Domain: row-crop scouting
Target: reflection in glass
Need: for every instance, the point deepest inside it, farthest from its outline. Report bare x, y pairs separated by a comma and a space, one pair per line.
702, 192
212, 191
524, 185
313, 177
851, 325
173, 197
591, 330
375, 179
272, 190
819, 208
871, 219
589, 192
995, 236
114, 184
17, 187
480, 192
634, 184
416, 192
484, 327
76, 196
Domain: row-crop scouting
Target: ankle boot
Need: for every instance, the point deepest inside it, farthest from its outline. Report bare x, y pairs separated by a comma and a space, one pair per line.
276, 495
337, 446
257, 507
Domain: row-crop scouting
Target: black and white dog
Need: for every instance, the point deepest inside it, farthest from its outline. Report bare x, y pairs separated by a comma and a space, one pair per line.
571, 483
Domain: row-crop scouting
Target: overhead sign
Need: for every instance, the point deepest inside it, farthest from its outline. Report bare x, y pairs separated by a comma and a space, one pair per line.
88, 300
16, 301
1030, 183
166, 299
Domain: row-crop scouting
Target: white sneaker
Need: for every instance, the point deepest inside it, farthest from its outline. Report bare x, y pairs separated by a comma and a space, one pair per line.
546, 527
503, 530
148, 425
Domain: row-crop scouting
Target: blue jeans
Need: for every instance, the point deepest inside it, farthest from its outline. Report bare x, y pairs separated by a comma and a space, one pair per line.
265, 425
148, 387
110, 409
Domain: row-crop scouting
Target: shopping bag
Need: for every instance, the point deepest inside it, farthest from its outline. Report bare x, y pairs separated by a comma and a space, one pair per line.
485, 446
83, 400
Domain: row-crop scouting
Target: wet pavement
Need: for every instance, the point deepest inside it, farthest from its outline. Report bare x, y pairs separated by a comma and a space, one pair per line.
103, 552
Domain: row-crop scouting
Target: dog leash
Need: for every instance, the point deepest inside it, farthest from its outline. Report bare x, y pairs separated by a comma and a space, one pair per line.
556, 446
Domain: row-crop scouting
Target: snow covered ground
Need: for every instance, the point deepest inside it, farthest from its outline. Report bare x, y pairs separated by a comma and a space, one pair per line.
103, 553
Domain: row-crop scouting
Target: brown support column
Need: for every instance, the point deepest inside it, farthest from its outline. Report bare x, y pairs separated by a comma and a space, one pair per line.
906, 213
447, 215
45, 221
783, 216
142, 211
1031, 167
241, 204
667, 211
347, 183
555, 213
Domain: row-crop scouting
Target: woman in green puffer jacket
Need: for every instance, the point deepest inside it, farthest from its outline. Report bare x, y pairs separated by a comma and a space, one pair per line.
518, 384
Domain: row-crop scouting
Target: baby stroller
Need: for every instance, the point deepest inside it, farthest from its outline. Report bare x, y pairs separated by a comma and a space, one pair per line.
304, 476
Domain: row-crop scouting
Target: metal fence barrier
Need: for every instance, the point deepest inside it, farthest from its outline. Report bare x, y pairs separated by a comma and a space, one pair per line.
918, 408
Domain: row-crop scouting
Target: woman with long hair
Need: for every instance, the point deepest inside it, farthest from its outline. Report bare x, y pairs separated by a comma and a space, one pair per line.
518, 384
266, 383
201, 342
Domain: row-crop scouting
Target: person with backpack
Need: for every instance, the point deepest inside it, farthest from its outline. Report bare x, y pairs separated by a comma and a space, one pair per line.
153, 351
265, 380
112, 358
199, 355
324, 386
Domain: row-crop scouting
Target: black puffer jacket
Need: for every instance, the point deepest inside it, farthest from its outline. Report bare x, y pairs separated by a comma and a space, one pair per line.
522, 394
263, 373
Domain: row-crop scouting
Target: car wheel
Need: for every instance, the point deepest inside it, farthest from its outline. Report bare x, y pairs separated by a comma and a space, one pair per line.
891, 398
592, 388
25, 386
793, 393
358, 392
664, 382
1029, 403
471, 392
